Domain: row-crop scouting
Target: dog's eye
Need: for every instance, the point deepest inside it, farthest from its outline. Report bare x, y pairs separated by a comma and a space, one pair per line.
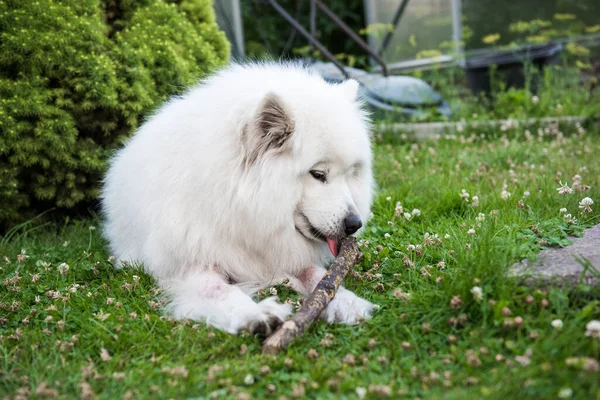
319, 175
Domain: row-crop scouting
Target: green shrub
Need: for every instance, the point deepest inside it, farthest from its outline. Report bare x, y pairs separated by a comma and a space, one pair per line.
77, 77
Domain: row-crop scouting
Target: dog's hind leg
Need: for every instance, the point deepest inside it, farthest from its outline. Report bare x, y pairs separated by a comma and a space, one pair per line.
207, 296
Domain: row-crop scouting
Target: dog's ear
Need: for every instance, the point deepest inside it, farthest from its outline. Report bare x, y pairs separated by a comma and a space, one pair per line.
350, 89
271, 129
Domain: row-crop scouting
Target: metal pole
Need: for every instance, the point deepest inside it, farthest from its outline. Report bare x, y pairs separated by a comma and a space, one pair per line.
357, 39
395, 20
308, 36
313, 18
238, 27
457, 27
313, 21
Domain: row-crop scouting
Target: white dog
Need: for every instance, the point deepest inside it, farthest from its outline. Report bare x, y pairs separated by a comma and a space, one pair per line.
244, 181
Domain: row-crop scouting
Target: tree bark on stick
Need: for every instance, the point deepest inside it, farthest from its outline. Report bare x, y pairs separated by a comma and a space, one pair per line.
348, 256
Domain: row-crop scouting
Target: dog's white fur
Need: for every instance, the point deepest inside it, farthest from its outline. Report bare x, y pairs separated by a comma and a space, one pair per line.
212, 192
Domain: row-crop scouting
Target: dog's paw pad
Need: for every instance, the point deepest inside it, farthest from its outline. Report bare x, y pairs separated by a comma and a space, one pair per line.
259, 328
264, 328
274, 322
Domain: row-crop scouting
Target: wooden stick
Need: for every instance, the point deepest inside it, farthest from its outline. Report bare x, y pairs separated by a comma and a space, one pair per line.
312, 307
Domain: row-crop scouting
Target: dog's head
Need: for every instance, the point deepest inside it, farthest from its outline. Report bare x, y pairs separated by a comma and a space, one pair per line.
316, 146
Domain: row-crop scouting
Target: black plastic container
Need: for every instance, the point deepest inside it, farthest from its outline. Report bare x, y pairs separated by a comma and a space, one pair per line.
510, 65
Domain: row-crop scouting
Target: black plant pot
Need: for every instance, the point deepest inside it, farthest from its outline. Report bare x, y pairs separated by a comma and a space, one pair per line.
509, 66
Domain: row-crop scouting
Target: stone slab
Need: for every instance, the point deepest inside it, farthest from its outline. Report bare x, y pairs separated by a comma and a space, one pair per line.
559, 266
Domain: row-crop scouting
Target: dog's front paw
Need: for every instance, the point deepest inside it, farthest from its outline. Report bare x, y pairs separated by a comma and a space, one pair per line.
347, 308
270, 316
273, 307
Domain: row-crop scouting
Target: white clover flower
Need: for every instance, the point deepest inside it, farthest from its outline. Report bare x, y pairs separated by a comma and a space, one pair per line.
481, 217
471, 232
388, 198
416, 212
526, 193
586, 205
361, 392
92, 228
408, 216
22, 257
504, 195
398, 210
535, 99
447, 236
565, 393
430, 240
475, 201
411, 247
592, 329
63, 268
464, 195
563, 210
557, 324
477, 293
105, 355
387, 236
249, 379
564, 189
569, 219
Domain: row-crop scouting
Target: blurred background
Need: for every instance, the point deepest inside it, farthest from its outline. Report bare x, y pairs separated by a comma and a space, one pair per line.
456, 48
426, 33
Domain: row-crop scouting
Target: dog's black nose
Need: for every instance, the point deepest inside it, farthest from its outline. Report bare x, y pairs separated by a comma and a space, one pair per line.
352, 224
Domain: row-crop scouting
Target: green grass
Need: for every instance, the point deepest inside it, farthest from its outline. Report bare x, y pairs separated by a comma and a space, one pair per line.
416, 345
555, 91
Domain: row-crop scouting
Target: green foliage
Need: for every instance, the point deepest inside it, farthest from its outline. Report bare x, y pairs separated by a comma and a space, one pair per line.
529, 21
77, 77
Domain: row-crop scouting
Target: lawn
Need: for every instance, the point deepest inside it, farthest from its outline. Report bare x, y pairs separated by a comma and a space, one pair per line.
450, 216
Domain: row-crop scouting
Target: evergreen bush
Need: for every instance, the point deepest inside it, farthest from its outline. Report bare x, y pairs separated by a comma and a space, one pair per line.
77, 77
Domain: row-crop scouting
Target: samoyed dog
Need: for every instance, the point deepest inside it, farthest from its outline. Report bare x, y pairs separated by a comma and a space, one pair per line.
250, 178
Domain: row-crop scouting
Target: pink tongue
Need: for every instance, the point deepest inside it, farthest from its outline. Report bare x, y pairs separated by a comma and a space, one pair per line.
333, 246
